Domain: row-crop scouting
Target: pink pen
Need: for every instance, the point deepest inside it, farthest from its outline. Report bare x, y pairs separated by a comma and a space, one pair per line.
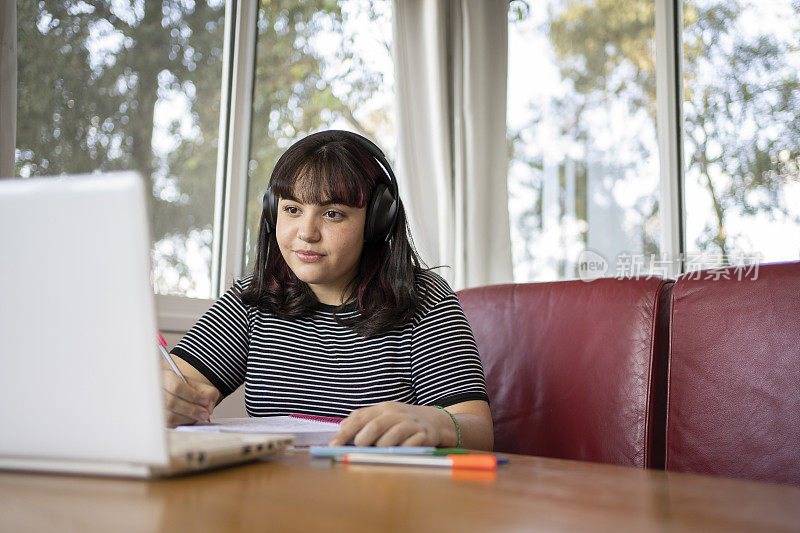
162, 345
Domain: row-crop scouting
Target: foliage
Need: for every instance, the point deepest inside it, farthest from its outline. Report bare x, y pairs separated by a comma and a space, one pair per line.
741, 106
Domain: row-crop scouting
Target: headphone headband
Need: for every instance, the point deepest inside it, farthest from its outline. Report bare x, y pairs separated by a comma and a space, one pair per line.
376, 152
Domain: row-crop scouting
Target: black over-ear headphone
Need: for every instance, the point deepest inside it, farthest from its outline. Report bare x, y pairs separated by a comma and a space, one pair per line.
382, 204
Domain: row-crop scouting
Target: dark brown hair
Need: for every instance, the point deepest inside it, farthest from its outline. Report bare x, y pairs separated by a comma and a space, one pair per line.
330, 167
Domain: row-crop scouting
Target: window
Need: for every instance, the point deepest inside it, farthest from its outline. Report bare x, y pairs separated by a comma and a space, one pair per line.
584, 170
318, 66
112, 86
741, 130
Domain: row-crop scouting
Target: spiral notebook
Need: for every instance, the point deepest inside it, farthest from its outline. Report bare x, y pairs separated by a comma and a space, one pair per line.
308, 430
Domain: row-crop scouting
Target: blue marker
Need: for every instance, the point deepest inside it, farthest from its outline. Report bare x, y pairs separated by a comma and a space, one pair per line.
333, 451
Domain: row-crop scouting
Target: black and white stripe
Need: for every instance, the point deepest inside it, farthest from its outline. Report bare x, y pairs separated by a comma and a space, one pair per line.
315, 366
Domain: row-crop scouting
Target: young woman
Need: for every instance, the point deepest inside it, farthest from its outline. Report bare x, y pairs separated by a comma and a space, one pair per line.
337, 317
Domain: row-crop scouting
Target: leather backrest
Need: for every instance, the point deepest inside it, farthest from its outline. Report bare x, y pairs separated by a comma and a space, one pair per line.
734, 374
572, 367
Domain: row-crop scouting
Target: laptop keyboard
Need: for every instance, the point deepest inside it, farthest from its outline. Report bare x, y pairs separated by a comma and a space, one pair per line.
180, 442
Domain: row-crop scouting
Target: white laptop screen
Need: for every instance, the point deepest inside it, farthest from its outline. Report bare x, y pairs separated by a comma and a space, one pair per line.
80, 376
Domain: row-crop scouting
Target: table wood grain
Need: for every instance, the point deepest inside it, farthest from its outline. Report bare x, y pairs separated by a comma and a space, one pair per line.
293, 492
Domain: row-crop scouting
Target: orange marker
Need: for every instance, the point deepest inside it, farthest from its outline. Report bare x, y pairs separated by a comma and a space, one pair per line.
457, 461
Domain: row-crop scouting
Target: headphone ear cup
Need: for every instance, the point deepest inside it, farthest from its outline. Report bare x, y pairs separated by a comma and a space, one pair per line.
380, 214
270, 210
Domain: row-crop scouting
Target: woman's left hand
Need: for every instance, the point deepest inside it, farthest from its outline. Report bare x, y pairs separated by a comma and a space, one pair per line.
392, 424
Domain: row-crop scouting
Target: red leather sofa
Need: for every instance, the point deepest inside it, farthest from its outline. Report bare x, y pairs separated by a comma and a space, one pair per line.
734, 375
573, 368
698, 375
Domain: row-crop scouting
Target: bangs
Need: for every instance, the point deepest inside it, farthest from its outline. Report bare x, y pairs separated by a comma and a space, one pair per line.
331, 173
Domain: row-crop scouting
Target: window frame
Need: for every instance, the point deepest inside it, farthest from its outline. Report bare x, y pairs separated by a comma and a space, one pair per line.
669, 127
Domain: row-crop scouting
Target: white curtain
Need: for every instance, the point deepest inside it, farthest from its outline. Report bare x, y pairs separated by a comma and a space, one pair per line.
8, 86
451, 63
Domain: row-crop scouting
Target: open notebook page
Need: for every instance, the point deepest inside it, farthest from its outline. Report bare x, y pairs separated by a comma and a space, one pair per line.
306, 432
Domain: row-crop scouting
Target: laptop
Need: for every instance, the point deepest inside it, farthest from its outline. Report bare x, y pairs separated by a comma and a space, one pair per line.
80, 383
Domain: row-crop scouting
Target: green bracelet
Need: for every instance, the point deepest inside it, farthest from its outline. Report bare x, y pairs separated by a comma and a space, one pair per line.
458, 428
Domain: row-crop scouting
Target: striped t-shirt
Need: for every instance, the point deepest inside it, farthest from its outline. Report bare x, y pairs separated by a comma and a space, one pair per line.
313, 365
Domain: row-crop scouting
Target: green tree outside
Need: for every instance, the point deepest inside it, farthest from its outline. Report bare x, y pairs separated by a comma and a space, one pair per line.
742, 139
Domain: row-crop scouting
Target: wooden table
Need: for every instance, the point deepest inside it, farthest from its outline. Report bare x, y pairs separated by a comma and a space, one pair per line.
293, 492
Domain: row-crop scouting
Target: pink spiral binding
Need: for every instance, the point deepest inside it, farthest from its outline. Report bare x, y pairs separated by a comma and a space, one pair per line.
330, 419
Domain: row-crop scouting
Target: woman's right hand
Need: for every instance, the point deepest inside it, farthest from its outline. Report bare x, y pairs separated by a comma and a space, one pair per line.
187, 403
